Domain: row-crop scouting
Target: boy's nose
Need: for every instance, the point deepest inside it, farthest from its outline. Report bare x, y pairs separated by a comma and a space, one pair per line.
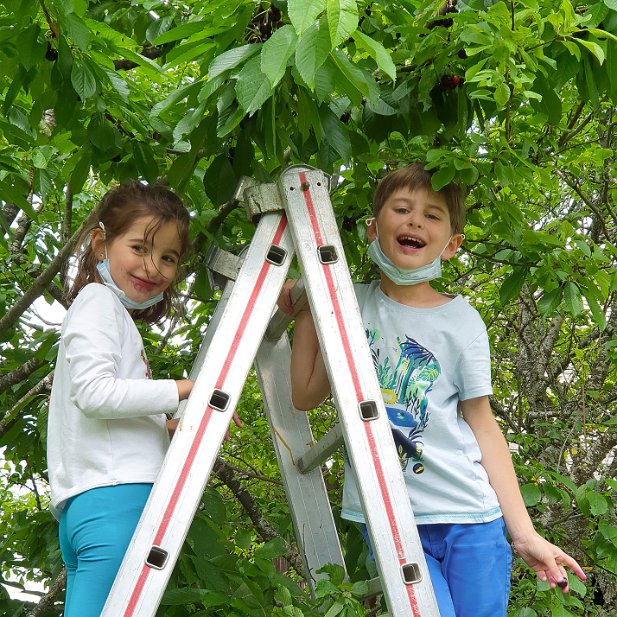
414, 219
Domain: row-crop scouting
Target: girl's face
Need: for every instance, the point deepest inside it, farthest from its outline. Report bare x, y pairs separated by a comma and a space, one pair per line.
140, 267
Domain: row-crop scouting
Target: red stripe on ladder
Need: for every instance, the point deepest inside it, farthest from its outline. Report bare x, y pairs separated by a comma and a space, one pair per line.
196, 444
368, 426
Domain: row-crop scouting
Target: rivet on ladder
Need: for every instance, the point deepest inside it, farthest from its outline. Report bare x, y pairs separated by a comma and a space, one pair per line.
276, 255
327, 254
219, 400
368, 410
157, 558
411, 573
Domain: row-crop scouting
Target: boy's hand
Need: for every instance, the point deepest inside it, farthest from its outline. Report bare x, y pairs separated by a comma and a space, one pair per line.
284, 302
237, 422
547, 560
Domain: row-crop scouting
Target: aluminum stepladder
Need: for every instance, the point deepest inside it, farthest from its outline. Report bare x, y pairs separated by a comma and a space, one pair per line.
295, 215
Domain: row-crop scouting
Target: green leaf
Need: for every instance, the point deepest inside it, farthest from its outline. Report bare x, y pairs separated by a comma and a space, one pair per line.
549, 301
342, 20
83, 79
502, 95
303, 13
598, 503
378, 52
276, 52
231, 59
511, 287
271, 549
184, 31
252, 87
335, 134
531, 494
594, 48
77, 31
312, 51
572, 299
442, 176
181, 597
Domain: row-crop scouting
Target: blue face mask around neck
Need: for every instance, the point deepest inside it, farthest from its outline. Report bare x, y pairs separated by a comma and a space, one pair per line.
404, 276
105, 273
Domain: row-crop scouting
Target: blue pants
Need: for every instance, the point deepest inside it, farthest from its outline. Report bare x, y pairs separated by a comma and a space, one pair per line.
96, 528
469, 566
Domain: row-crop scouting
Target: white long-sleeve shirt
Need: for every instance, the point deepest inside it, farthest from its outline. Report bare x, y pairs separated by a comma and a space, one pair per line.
106, 414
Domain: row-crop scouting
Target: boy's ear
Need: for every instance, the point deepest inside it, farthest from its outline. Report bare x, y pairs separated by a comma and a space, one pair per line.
453, 245
371, 231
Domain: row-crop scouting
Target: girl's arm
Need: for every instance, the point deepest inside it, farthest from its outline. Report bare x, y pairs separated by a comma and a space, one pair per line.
309, 380
93, 336
545, 558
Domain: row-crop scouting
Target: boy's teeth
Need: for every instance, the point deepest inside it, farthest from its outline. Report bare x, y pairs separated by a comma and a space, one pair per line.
413, 242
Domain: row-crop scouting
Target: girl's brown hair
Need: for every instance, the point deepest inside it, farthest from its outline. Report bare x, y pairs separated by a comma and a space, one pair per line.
119, 208
416, 177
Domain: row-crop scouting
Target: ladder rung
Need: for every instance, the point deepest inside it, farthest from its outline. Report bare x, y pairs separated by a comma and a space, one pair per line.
322, 450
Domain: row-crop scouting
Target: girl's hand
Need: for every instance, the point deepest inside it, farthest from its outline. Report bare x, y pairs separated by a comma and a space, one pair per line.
172, 425
184, 388
547, 560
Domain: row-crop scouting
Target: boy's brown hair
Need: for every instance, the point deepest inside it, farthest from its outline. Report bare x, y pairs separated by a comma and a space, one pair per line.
119, 208
415, 177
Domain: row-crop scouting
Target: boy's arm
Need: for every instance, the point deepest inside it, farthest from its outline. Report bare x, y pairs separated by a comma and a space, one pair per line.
309, 380
545, 558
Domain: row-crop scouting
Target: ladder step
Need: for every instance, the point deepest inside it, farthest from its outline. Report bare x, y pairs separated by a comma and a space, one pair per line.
321, 450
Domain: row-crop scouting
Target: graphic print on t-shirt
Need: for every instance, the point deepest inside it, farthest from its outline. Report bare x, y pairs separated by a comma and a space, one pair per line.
405, 386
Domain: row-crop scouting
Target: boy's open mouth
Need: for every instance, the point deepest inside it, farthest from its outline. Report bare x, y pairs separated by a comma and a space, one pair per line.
411, 241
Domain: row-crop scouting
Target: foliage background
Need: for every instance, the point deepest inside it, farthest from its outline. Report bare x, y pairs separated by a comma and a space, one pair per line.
516, 99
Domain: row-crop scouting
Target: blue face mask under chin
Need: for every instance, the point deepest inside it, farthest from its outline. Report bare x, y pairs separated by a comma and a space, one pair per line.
105, 273
404, 276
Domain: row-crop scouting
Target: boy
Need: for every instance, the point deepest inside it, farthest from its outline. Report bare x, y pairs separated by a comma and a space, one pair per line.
432, 357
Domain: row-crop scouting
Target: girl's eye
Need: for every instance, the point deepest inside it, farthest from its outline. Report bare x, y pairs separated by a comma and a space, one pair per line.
170, 260
139, 248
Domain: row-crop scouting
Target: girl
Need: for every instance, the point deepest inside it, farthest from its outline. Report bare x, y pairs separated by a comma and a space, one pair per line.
107, 432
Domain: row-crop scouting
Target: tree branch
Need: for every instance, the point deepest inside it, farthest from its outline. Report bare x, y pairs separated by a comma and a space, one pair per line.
265, 530
19, 374
48, 600
45, 278
43, 386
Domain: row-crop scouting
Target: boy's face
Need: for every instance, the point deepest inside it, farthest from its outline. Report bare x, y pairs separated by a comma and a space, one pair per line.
414, 228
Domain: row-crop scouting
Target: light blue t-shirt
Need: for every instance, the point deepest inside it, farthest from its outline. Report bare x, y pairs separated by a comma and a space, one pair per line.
427, 360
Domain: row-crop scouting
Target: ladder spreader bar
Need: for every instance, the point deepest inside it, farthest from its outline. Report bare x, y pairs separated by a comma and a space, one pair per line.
368, 427
196, 444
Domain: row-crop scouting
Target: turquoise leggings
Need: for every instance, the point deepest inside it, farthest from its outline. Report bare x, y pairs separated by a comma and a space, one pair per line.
95, 530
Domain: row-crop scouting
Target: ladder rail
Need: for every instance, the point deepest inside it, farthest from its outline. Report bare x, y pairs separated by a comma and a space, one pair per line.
399, 556
164, 524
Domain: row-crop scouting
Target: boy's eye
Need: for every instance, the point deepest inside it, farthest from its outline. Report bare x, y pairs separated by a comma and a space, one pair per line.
139, 248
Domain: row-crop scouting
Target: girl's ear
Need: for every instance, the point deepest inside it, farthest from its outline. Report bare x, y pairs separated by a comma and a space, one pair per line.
98, 243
